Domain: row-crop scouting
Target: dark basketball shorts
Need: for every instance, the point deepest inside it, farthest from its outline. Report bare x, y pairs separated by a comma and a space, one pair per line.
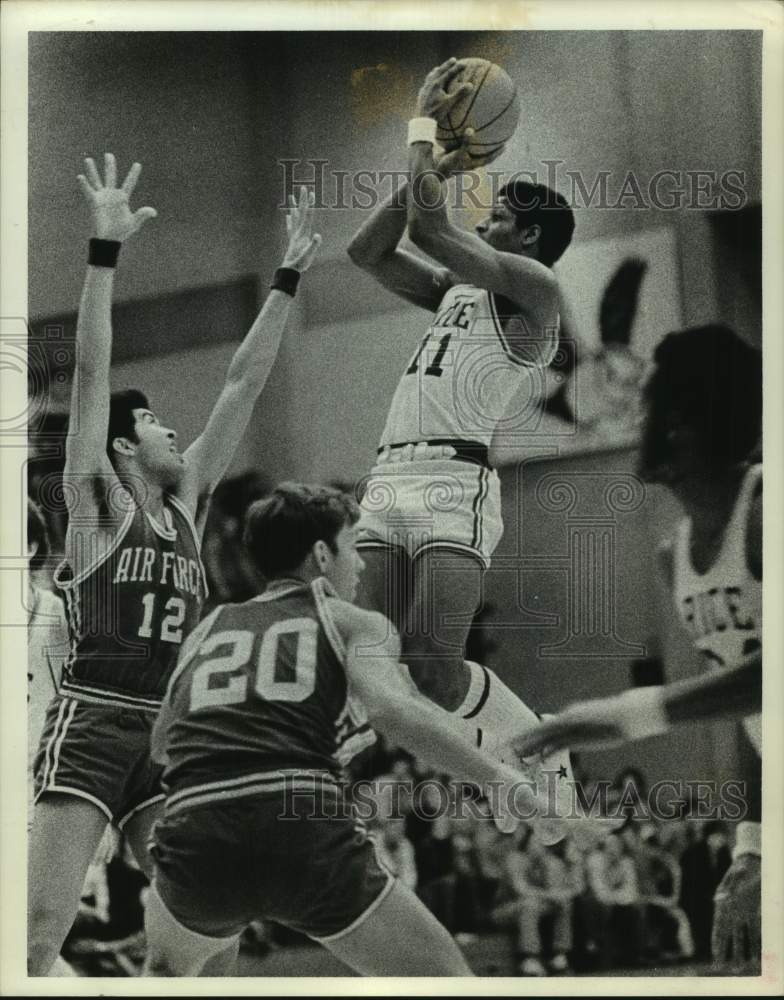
100, 753
220, 866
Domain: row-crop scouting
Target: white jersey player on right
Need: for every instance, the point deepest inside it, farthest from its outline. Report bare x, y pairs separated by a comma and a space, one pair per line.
703, 420
431, 507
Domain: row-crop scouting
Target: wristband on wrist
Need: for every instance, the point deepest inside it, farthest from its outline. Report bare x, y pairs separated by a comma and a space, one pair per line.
748, 839
286, 280
644, 712
104, 253
422, 130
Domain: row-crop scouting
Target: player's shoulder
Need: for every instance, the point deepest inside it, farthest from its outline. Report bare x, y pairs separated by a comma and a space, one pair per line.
352, 620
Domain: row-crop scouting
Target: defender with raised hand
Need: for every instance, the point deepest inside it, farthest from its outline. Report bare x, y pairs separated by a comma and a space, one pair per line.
132, 575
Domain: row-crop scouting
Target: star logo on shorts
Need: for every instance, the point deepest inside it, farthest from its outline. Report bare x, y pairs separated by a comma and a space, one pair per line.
562, 771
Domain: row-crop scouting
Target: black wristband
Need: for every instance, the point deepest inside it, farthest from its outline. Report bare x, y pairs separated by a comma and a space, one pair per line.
286, 280
104, 253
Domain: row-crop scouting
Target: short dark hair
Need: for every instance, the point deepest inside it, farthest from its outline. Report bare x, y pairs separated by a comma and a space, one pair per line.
538, 205
38, 533
122, 422
281, 529
712, 380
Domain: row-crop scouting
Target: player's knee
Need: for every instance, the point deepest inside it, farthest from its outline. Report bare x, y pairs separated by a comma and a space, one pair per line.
439, 680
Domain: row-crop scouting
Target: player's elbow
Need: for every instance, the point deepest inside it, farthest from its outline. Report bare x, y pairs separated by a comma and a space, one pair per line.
382, 706
365, 255
358, 252
420, 234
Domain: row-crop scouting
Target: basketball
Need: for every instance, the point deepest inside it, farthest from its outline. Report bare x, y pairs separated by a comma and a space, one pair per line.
491, 109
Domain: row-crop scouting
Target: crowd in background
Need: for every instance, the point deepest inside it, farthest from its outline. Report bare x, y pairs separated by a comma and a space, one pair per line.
641, 897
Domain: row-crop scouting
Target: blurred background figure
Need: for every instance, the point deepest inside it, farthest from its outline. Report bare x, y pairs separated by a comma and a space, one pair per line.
395, 850
613, 904
703, 865
542, 884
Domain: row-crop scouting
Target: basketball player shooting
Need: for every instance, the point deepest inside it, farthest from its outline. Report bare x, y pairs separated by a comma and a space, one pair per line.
699, 434
132, 578
495, 300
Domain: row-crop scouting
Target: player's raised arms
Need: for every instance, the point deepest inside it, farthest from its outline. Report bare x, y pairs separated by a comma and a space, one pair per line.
525, 281
375, 247
89, 477
210, 455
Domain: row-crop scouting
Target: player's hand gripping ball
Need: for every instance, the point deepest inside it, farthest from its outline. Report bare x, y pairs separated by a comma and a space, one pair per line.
474, 96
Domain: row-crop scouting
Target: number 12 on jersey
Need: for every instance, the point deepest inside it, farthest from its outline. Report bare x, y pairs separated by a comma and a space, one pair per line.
171, 625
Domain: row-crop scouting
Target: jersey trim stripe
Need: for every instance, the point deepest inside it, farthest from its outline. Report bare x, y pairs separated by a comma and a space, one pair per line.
251, 784
456, 546
180, 507
508, 350
328, 623
390, 884
79, 793
64, 706
378, 543
476, 540
168, 534
108, 698
122, 531
276, 594
137, 809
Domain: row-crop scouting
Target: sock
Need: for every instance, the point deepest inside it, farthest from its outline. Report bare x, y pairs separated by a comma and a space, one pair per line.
491, 714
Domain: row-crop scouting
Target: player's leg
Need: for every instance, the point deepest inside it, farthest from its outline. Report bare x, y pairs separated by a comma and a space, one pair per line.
384, 584
447, 593
174, 950
399, 936
65, 833
138, 829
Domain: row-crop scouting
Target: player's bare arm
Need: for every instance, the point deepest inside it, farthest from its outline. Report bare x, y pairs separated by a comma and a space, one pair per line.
90, 482
395, 708
375, 247
636, 714
524, 281
208, 458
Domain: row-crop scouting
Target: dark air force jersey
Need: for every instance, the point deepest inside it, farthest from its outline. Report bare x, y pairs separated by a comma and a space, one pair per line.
260, 701
130, 610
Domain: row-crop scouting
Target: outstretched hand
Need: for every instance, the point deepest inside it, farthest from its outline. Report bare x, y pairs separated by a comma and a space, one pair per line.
111, 213
303, 242
588, 725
